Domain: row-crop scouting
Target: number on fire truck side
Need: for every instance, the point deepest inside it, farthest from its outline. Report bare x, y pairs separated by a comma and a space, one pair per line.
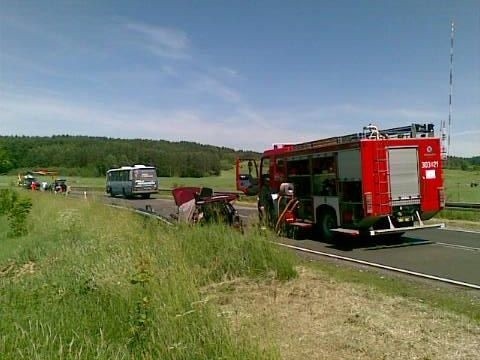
430, 164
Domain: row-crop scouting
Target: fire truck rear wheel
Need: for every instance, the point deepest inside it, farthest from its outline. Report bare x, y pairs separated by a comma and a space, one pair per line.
327, 221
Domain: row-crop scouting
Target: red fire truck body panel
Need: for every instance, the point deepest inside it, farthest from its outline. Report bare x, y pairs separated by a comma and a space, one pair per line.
377, 176
373, 183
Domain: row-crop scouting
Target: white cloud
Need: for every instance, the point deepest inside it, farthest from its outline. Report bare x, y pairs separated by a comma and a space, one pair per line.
208, 84
471, 132
168, 70
377, 114
240, 126
465, 146
228, 71
325, 121
25, 114
29, 115
162, 41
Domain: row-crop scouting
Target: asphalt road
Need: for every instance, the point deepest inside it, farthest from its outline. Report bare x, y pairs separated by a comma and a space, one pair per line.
447, 254
443, 253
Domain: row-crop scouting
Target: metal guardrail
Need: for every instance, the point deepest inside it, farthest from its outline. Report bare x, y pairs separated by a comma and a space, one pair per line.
463, 205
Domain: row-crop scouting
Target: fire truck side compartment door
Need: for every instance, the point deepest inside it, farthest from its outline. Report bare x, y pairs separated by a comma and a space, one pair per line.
247, 176
403, 167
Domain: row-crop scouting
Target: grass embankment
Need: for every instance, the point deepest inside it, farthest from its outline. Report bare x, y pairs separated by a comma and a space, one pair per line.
95, 282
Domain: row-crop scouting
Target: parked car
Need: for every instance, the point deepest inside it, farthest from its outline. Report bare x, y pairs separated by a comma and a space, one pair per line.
30, 182
59, 185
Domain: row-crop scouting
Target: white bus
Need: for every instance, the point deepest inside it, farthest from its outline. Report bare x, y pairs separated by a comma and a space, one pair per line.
130, 181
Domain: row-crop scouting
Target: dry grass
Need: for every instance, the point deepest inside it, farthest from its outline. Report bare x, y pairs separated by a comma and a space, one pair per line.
315, 317
462, 224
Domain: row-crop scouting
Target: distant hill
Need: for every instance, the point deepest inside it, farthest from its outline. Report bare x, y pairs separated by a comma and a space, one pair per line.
92, 156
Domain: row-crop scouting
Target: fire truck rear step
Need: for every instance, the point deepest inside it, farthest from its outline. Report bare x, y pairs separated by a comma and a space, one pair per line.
351, 232
302, 224
403, 229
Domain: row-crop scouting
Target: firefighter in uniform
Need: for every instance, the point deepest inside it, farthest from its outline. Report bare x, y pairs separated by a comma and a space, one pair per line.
266, 208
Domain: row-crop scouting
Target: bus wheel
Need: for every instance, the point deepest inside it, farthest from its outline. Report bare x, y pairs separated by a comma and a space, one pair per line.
326, 222
110, 192
145, 196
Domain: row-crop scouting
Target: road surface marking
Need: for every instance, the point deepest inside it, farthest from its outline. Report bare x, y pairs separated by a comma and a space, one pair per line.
432, 277
458, 246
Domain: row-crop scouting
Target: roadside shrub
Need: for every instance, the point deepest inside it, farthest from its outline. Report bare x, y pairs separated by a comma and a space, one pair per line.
7, 199
16, 209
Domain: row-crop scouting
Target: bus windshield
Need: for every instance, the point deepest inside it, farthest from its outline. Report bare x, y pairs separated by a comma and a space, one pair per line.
144, 174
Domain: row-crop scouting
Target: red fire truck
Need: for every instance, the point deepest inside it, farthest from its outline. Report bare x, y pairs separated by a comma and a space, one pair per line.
370, 183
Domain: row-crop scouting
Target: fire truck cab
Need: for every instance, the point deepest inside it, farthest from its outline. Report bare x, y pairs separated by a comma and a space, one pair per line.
369, 183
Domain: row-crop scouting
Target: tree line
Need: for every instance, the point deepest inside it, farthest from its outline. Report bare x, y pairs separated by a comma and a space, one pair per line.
93, 156
461, 163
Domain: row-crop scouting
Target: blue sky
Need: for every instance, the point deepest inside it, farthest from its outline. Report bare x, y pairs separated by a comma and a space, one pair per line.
242, 74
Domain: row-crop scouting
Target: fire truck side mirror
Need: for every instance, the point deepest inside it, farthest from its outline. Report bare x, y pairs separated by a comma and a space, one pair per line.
287, 189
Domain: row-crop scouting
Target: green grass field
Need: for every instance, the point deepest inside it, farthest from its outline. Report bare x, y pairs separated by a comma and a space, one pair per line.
226, 181
457, 183
458, 186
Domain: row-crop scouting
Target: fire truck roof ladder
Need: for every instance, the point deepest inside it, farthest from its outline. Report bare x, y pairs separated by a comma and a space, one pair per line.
410, 131
414, 130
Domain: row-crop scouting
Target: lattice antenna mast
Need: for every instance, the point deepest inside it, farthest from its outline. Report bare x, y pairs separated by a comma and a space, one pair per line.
452, 33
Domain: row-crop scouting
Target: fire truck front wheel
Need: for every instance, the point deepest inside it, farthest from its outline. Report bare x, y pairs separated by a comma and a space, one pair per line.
326, 220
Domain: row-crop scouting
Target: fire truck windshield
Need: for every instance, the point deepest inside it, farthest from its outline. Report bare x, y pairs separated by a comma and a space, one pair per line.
265, 170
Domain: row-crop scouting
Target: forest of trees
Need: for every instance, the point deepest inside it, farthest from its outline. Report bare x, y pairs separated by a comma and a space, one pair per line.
93, 156
472, 163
